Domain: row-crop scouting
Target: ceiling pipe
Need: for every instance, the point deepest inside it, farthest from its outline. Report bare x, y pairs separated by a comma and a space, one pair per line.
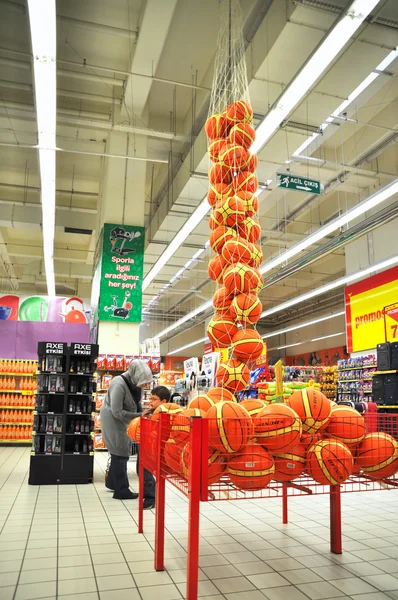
25, 112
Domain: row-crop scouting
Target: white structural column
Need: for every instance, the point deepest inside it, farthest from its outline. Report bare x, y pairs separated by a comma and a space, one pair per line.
122, 201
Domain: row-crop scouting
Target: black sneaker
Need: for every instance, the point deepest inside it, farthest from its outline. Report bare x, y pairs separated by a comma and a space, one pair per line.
125, 496
149, 503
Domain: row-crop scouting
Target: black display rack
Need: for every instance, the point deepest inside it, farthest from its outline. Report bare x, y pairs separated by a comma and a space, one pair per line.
63, 427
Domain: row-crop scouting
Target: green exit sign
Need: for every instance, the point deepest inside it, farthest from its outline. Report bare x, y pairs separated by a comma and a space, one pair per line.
301, 184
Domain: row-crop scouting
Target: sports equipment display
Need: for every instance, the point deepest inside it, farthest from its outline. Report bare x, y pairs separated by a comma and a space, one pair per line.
277, 427
239, 111
245, 181
133, 430
252, 405
218, 394
246, 308
250, 229
229, 212
215, 147
329, 462
216, 268
312, 407
221, 330
218, 173
240, 278
233, 156
222, 300
247, 345
243, 134
346, 425
172, 455
203, 402
289, 465
377, 455
217, 464
252, 468
219, 236
217, 126
180, 428
230, 427
238, 250
233, 374
219, 191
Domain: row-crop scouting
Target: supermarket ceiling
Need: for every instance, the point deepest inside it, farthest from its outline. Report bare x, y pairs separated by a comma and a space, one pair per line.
99, 44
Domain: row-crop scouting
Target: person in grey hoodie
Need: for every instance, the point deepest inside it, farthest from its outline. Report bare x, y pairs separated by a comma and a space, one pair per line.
122, 404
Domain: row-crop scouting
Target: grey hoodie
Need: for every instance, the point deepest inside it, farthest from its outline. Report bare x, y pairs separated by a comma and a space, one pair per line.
120, 407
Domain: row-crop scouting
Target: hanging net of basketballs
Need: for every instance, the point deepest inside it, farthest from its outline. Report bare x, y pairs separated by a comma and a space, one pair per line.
249, 448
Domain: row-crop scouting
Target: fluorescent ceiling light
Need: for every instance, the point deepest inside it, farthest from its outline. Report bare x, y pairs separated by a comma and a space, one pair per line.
201, 341
42, 20
301, 325
331, 286
186, 318
351, 214
315, 66
324, 337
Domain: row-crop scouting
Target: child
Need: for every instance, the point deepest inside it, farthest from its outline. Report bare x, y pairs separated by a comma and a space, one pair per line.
159, 395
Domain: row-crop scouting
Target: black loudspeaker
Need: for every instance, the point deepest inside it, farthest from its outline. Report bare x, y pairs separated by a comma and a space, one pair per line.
384, 357
394, 355
391, 390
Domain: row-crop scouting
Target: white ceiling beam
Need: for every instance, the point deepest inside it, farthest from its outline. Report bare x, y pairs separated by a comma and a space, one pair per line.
30, 217
154, 28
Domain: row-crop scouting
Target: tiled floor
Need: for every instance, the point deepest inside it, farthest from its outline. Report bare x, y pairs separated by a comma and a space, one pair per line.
76, 542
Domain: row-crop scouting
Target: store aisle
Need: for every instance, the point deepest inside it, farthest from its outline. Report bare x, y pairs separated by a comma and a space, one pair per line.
77, 542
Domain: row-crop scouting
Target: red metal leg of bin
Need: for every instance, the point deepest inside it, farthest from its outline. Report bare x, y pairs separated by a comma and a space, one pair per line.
335, 520
284, 504
194, 509
159, 523
141, 496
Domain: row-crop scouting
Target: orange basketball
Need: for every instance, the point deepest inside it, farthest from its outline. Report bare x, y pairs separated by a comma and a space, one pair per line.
221, 330
216, 268
246, 308
133, 430
307, 440
346, 425
312, 407
245, 181
277, 427
172, 455
257, 256
239, 111
252, 163
247, 345
233, 374
171, 409
233, 156
252, 405
237, 250
230, 427
203, 402
215, 147
218, 394
250, 229
242, 134
222, 300
180, 428
229, 212
217, 464
289, 465
251, 205
240, 278
377, 455
329, 462
251, 469
219, 236
217, 126
219, 173
219, 191
213, 223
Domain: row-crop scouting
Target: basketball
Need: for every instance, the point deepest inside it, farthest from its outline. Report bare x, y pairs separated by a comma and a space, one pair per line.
229, 212
289, 465
216, 268
247, 345
329, 462
277, 427
180, 428
233, 156
217, 464
240, 278
312, 407
218, 173
219, 191
133, 430
213, 223
308, 440
377, 455
238, 250
171, 409
239, 111
346, 425
252, 405
233, 374
215, 147
219, 236
245, 181
222, 300
217, 126
221, 330
257, 256
250, 229
250, 204
251, 469
202, 402
172, 455
230, 427
252, 163
242, 134
218, 394
246, 308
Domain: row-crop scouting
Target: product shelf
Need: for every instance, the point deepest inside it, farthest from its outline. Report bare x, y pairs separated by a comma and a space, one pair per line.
24, 424
19, 407
385, 372
357, 368
25, 441
18, 374
23, 392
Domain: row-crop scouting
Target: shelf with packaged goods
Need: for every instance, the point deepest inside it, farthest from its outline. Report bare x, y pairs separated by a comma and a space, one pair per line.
357, 368
387, 406
22, 423
19, 407
23, 392
17, 374
27, 441
390, 372
354, 380
358, 392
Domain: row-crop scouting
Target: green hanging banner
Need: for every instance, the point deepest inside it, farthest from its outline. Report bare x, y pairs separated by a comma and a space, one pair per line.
122, 267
